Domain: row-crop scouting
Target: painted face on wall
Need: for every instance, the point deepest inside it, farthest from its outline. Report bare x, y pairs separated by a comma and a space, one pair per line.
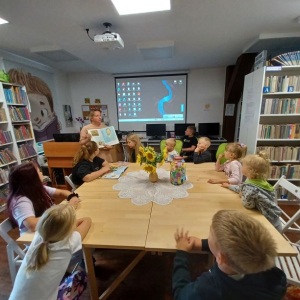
40, 110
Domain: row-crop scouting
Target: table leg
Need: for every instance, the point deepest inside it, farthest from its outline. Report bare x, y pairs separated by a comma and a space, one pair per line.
122, 276
89, 266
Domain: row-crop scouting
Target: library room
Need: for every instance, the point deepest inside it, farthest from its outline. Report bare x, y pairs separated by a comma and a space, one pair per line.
150, 150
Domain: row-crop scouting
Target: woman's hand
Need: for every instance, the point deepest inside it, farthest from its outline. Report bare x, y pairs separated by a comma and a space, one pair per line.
107, 147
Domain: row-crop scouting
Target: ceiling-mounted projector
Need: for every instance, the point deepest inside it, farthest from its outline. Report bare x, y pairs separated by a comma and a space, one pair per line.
109, 40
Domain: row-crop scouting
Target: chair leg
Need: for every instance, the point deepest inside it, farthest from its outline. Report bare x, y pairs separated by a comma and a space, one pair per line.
11, 263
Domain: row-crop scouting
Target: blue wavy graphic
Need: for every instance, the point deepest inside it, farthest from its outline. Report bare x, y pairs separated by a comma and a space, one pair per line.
164, 99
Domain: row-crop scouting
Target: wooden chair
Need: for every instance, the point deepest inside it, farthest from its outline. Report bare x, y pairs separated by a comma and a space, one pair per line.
15, 254
70, 182
178, 145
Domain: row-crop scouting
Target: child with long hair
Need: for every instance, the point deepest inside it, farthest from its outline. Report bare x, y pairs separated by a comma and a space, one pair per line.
256, 192
28, 198
57, 238
88, 165
133, 143
232, 167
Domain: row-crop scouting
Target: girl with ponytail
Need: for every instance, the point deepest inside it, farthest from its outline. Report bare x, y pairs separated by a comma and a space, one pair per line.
58, 236
256, 192
88, 165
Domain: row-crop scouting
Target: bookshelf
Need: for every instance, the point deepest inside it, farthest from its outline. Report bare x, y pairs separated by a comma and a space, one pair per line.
270, 119
17, 142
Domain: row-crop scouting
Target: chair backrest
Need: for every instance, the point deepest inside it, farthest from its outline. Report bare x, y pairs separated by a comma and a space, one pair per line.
126, 158
70, 182
221, 150
178, 146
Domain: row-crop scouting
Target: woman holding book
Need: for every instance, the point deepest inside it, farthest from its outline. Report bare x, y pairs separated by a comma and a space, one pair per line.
85, 137
88, 166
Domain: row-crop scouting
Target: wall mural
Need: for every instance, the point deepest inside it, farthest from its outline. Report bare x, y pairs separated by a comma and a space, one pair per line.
43, 116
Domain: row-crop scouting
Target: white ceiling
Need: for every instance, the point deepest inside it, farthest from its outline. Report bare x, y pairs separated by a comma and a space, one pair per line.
207, 33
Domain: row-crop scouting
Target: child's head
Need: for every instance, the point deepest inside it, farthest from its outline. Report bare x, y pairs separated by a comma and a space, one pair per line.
235, 151
256, 166
190, 131
56, 224
241, 243
204, 143
95, 116
86, 152
133, 142
170, 144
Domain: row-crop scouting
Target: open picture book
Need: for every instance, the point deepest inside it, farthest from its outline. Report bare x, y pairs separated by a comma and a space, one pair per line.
104, 136
115, 172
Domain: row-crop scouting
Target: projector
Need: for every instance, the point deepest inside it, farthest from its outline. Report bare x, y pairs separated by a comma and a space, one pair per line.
109, 40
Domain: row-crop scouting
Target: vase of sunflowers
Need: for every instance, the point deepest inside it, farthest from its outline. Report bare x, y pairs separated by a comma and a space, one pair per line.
150, 159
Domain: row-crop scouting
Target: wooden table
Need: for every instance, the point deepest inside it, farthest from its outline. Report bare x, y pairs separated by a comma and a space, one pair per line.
118, 224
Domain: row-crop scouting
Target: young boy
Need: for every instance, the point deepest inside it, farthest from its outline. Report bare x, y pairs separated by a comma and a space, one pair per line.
245, 262
189, 143
170, 145
201, 154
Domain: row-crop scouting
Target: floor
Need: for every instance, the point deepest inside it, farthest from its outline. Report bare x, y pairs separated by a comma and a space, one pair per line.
153, 273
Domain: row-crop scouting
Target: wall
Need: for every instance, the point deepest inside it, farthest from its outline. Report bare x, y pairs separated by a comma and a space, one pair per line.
205, 86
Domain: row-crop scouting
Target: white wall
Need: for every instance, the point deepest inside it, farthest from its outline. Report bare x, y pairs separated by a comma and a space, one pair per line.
205, 86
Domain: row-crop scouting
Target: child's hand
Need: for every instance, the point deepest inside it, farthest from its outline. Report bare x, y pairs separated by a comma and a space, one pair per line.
225, 185
213, 181
240, 194
74, 202
105, 169
197, 150
221, 156
183, 242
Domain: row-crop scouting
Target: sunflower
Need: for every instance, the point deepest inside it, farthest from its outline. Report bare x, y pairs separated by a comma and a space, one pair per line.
150, 156
138, 159
149, 168
141, 150
165, 153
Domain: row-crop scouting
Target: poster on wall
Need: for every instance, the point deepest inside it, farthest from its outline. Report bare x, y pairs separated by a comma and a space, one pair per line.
68, 115
43, 116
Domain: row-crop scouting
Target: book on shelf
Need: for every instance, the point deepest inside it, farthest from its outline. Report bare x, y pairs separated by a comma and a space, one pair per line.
288, 59
19, 113
286, 195
281, 84
290, 171
104, 136
282, 131
4, 173
282, 153
5, 137
3, 195
3, 117
6, 156
22, 132
26, 150
280, 106
15, 95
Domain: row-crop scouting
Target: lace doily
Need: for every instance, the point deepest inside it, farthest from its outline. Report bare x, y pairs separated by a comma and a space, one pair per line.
136, 185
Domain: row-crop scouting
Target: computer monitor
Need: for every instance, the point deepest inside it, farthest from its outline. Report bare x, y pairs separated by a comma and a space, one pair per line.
209, 129
66, 137
181, 128
156, 130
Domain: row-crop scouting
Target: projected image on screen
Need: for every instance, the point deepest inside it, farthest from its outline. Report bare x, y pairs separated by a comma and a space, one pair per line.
151, 99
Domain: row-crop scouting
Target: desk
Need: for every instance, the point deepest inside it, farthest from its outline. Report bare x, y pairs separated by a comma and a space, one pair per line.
118, 224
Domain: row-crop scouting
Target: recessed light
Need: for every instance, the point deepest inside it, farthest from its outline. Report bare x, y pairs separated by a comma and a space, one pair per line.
2, 21
128, 7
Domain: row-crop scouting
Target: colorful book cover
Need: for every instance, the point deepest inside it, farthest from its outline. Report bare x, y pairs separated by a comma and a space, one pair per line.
115, 173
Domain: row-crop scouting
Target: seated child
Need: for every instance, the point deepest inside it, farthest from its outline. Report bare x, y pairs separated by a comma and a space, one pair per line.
189, 144
232, 167
256, 192
133, 143
170, 145
245, 268
201, 154
88, 165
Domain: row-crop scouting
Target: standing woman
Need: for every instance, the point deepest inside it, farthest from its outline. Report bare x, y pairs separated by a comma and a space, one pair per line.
85, 137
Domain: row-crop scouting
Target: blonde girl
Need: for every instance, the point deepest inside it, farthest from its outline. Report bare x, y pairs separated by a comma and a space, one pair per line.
256, 192
232, 167
133, 143
58, 236
87, 165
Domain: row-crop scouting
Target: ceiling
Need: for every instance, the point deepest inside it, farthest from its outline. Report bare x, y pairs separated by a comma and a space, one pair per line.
207, 33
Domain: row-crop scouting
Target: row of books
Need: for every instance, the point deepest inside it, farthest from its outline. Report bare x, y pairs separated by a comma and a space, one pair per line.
19, 113
4, 172
3, 195
6, 156
274, 84
3, 117
22, 132
288, 59
291, 172
5, 137
283, 131
15, 95
26, 150
284, 194
280, 106
281, 153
